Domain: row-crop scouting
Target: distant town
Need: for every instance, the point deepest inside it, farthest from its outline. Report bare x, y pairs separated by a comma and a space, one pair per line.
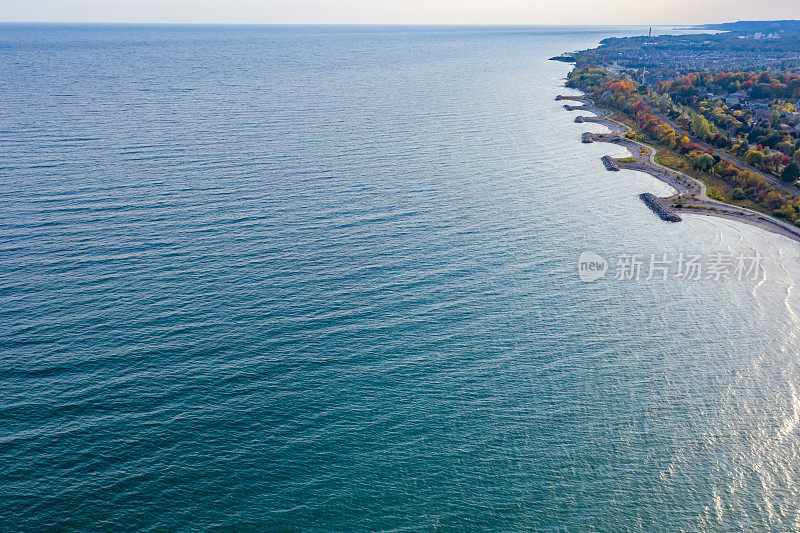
739, 46
722, 107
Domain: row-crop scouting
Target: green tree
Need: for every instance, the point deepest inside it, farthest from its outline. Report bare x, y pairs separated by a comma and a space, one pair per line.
786, 147
701, 127
754, 157
773, 200
743, 148
704, 162
738, 194
791, 173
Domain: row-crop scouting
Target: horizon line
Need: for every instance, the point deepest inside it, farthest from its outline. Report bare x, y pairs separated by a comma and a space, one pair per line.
365, 24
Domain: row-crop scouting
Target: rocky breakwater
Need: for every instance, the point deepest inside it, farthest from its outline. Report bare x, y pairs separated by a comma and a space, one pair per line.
575, 98
654, 202
609, 163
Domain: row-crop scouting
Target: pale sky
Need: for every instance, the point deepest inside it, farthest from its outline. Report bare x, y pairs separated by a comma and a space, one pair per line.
647, 12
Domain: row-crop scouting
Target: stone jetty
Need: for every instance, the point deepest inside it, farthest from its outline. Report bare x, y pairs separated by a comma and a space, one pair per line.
575, 98
654, 202
609, 163
587, 138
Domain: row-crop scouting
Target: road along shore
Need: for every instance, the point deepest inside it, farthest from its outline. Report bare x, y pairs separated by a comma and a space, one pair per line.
690, 197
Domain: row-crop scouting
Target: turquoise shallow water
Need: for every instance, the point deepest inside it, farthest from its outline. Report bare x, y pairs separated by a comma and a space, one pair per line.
325, 279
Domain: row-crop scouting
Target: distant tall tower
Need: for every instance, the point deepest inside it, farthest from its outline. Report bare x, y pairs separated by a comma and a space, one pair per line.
649, 39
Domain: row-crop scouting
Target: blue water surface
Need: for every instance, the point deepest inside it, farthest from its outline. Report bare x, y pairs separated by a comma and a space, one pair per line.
324, 278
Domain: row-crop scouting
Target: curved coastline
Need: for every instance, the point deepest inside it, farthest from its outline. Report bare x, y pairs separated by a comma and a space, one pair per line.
691, 196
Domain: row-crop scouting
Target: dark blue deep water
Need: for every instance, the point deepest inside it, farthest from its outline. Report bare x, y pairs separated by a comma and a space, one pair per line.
285, 279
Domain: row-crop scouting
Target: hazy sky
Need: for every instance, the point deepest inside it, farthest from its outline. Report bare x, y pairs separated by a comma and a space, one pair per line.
401, 11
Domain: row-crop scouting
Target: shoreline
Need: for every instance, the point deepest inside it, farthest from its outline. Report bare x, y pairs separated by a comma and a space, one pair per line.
691, 197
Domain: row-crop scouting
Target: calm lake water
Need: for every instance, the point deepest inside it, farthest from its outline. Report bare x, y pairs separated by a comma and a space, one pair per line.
294, 278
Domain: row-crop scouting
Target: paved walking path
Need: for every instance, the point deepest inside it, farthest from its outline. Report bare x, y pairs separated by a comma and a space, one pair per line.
691, 195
